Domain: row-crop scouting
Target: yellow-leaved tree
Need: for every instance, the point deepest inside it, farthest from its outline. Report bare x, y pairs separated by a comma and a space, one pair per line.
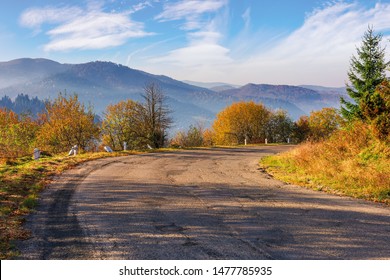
123, 122
240, 121
67, 122
17, 134
323, 123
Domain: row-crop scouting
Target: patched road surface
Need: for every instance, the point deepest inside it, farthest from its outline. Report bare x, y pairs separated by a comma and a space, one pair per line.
198, 204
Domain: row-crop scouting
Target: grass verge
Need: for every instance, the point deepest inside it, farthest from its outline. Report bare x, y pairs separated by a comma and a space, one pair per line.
352, 163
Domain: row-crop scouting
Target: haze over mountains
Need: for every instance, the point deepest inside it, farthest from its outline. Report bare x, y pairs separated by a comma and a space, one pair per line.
102, 83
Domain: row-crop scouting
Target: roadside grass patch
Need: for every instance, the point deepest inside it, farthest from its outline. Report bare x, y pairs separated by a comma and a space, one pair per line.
352, 163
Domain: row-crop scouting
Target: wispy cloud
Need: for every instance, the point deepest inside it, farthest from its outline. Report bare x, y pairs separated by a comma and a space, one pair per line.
322, 46
35, 17
246, 16
77, 28
142, 5
190, 11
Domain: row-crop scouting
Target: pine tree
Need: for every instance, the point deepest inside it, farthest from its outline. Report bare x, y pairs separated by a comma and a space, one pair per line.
367, 71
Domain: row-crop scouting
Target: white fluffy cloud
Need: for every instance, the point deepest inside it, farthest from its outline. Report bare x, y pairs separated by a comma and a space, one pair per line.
75, 28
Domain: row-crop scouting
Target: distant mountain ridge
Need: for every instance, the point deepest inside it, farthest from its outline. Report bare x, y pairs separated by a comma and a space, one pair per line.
102, 83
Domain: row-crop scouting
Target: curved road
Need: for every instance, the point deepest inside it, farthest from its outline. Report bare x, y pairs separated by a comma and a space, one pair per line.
199, 204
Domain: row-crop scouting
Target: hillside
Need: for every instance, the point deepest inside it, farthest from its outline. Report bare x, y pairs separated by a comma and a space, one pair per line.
102, 83
298, 100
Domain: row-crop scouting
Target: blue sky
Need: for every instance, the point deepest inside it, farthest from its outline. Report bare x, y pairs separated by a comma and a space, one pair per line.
276, 42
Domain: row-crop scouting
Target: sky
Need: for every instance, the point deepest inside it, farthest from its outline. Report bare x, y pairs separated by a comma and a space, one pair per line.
237, 42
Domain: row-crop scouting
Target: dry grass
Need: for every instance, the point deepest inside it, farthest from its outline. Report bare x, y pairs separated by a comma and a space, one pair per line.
352, 162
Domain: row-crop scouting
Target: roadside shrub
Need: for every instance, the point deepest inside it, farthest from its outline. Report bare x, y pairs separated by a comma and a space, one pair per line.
279, 127
193, 137
208, 136
17, 134
324, 123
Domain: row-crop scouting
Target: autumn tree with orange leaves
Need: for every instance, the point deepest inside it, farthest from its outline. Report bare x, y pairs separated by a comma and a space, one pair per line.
123, 122
324, 123
66, 123
240, 121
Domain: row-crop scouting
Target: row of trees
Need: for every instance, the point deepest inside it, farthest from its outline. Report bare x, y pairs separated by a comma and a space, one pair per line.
67, 122
254, 123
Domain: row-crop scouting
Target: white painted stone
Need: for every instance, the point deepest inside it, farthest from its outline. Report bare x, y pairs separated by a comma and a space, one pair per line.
37, 153
108, 149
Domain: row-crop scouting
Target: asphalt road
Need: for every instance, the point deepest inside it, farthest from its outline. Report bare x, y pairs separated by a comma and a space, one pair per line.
198, 204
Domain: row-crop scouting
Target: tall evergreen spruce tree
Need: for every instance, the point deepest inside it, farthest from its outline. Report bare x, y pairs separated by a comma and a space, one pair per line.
367, 71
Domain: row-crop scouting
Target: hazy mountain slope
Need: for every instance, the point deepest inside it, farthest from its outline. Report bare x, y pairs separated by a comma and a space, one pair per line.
222, 88
334, 90
211, 85
305, 99
330, 95
102, 83
23, 70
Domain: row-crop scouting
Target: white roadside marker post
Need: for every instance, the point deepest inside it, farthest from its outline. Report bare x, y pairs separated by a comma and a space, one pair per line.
108, 149
73, 150
37, 153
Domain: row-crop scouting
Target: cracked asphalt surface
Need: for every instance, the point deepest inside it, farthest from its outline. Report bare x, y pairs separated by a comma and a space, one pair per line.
198, 204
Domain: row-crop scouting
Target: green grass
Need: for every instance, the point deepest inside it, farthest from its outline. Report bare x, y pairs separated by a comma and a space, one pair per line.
351, 163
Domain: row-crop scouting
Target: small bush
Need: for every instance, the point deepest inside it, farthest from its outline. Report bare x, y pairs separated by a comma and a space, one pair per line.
193, 137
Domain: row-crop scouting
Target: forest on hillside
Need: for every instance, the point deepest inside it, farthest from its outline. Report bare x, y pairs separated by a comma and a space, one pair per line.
23, 104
